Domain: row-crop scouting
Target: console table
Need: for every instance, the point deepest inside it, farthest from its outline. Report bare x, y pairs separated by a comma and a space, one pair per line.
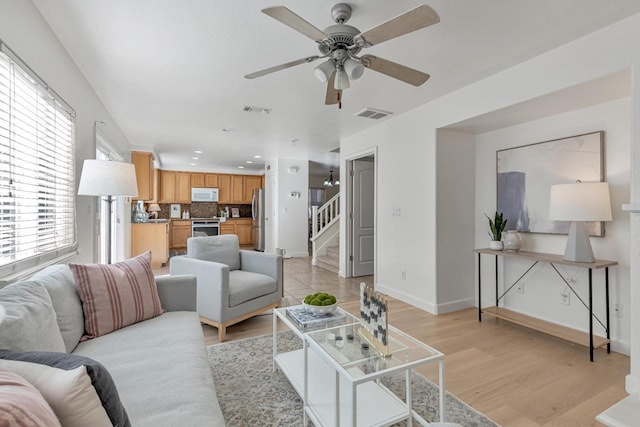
569, 334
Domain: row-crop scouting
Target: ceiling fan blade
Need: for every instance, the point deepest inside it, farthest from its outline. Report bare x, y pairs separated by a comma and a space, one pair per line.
397, 71
415, 19
280, 67
290, 19
333, 95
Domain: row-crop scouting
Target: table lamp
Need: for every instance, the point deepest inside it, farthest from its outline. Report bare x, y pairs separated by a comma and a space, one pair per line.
108, 178
578, 203
154, 208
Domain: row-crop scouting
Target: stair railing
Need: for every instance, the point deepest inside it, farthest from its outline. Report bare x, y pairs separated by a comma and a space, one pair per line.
323, 216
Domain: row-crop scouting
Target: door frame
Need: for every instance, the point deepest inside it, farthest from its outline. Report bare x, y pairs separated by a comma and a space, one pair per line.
347, 202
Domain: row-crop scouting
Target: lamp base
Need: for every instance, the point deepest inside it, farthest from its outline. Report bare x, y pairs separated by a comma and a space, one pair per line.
578, 247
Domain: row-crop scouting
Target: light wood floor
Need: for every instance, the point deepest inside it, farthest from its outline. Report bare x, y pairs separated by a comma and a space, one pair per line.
516, 376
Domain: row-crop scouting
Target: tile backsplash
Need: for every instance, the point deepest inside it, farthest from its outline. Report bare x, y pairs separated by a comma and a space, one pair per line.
202, 210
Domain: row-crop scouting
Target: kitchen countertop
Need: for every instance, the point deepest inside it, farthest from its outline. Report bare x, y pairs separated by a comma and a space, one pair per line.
161, 221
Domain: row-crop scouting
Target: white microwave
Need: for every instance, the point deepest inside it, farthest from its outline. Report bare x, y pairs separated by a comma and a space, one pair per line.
204, 195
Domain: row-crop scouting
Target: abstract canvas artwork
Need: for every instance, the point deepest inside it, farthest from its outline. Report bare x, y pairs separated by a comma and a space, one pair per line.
525, 174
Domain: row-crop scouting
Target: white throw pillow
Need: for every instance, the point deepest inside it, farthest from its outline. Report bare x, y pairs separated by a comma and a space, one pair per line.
68, 392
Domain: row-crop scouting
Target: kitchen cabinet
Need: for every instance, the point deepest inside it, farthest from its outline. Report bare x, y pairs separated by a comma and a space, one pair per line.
197, 180
152, 237
228, 227
183, 187
243, 230
238, 226
167, 182
210, 180
175, 187
237, 189
224, 189
204, 180
251, 183
143, 163
180, 232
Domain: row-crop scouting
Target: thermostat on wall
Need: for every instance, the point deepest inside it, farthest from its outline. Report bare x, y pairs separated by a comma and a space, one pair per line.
293, 169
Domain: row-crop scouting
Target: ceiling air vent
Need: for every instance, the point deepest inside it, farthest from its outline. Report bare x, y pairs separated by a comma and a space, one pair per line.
259, 110
371, 113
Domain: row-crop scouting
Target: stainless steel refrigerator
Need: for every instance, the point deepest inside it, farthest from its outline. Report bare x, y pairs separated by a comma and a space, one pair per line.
258, 214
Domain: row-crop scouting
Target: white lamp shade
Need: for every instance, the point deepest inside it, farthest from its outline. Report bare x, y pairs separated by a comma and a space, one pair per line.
323, 71
353, 68
341, 81
107, 178
154, 207
589, 201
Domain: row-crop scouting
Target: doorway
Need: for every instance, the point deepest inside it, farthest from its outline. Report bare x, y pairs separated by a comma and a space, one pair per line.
361, 209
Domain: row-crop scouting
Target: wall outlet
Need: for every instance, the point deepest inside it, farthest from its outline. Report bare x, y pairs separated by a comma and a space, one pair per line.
617, 310
565, 298
520, 288
403, 275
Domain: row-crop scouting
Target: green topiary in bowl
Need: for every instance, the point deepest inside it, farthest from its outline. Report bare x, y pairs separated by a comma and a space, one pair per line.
320, 302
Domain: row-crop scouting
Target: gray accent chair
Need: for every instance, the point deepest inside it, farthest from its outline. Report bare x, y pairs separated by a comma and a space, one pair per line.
233, 284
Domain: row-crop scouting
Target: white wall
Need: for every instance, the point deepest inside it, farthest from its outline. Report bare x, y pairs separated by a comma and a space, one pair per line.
407, 159
292, 212
24, 30
543, 287
455, 200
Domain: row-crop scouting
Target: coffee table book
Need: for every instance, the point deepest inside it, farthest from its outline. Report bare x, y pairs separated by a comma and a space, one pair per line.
305, 319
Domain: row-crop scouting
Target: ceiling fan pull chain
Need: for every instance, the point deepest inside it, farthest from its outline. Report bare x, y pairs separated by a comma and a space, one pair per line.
339, 100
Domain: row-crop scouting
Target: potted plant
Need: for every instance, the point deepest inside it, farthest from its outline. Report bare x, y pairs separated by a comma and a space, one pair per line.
497, 225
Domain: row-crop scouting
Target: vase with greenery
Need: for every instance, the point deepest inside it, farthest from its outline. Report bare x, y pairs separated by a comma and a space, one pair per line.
497, 225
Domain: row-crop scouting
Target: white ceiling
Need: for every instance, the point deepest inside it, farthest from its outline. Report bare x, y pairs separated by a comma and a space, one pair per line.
171, 72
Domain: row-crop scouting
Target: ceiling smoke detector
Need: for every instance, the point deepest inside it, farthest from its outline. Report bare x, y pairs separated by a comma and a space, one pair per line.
372, 113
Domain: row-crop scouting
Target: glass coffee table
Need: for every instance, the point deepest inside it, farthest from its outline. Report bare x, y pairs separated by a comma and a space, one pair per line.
338, 374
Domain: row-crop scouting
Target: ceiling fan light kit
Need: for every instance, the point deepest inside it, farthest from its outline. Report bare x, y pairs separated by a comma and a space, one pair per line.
342, 80
342, 43
324, 71
354, 69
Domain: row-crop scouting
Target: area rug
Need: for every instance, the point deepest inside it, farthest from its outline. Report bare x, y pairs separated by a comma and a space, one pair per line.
251, 394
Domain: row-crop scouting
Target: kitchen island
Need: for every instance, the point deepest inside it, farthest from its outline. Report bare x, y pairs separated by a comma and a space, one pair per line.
151, 236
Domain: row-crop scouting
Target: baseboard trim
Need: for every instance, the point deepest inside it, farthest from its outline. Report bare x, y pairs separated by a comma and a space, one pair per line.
458, 305
409, 299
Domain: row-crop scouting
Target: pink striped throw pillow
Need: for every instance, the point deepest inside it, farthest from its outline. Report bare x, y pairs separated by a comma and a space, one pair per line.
116, 295
22, 405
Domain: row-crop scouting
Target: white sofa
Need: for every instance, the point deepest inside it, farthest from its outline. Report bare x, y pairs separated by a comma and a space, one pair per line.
159, 366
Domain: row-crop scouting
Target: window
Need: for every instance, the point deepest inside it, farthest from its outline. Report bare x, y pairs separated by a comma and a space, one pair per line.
37, 182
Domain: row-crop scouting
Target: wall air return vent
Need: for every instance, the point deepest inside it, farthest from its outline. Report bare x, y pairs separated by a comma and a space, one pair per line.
371, 113
259, 110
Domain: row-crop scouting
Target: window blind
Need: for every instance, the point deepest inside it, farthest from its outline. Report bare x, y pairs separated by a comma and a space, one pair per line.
37, 180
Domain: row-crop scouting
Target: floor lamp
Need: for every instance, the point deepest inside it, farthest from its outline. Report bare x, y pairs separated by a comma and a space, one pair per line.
578, 203
106, 178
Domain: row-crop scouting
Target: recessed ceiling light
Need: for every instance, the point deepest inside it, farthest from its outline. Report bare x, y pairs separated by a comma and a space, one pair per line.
257, 157
240, 167
192, 164
226, 129
197, 151
249, 161
195, 158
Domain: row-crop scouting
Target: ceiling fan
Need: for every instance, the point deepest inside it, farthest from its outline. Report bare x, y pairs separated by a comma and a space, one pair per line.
342, 43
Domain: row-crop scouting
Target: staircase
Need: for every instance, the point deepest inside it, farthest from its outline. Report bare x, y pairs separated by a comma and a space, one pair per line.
325, 234
330, 261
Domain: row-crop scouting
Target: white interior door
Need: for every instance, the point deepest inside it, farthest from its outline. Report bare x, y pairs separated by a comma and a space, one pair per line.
363, 218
